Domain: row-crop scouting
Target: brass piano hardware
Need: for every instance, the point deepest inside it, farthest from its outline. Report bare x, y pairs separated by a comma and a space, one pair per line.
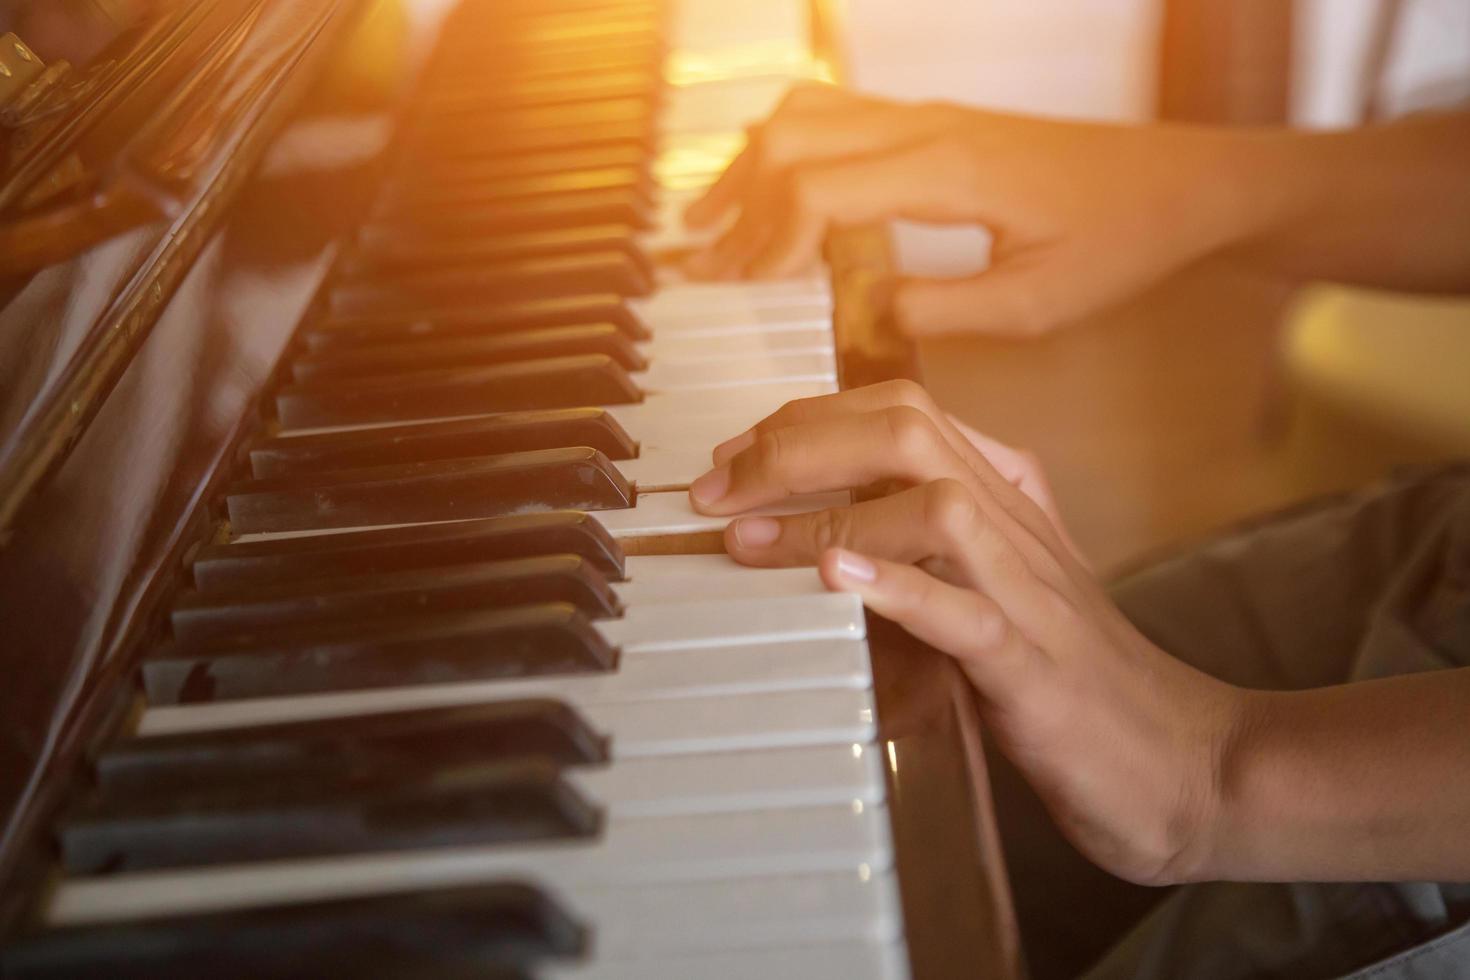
218, 150
19, 68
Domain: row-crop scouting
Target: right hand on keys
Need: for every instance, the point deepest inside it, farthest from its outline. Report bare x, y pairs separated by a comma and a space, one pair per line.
1123, 742
1082, 215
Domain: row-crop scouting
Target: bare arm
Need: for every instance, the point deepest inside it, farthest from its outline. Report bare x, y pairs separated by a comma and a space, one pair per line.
1366, 781
1382, 206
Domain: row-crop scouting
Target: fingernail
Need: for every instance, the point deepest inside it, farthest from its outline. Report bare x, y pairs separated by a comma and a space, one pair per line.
856, 568
738, 444
757, 532
708, 489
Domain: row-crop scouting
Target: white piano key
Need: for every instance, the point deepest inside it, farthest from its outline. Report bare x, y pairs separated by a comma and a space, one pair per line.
821, 775
731, 622
679, 578
694, 346
629, 853
687, 725
735, 318
652, 515
671, 513
722, 106
680, 296
661, 726
851, 961
724, 671
669, 232
701, 420
772, 911
737, 371
665, 470
701, 673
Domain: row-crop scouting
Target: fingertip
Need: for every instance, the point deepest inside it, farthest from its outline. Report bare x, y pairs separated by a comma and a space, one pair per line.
708, 490
843, 569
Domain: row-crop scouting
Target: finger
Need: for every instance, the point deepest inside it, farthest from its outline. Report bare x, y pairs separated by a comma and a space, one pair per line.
710, 208
854, 401
878, 397
730, 255
916, 181
969, 626
756, 157
898, 443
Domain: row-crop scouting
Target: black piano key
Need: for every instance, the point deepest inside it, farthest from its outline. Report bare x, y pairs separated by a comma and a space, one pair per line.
558, 311
443, 648
388, 256
453, 146
522, 345
409, 185
519, 92
385, 810
427, 197
626, 206
511, 432
496, 931
553, 382
577, 478
231, 567
265, 613
624, 271
330, 749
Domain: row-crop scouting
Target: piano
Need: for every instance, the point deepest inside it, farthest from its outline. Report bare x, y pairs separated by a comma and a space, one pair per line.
353, 616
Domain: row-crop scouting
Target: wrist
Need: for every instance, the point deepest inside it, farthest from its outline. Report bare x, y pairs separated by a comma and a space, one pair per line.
1210, 810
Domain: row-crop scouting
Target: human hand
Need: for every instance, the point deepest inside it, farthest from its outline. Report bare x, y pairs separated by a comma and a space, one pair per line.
1082, 215
1121, 741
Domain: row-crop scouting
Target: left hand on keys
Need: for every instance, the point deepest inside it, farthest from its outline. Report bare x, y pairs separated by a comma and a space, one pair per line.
1123, 742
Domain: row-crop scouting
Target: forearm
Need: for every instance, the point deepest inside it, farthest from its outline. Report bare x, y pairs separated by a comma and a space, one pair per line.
1384, 206
1364, 781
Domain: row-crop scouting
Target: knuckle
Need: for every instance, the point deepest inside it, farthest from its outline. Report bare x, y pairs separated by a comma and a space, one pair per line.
910, 431
830, 528
950, 509
768, 451
903, 391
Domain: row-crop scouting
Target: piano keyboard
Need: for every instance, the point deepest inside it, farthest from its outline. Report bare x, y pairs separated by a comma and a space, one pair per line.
422, 711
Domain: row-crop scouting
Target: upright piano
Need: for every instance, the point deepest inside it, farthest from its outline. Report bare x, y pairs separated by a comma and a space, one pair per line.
353, 616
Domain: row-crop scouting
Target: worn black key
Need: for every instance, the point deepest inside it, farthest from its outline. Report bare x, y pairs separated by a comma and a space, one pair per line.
560, 311
234, 567
381, 810
521, 345
393, 255
529, 92
553, 382
576, 478
623, 270
437, 649
332, 749
451, 146
496, 931
417, 182
511, 432
266, 613
573, 209
431, 197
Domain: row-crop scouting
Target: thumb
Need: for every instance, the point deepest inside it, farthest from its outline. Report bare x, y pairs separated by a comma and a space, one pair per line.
1007, 300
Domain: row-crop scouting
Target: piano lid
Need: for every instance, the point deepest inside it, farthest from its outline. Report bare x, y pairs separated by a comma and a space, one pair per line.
114, 176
